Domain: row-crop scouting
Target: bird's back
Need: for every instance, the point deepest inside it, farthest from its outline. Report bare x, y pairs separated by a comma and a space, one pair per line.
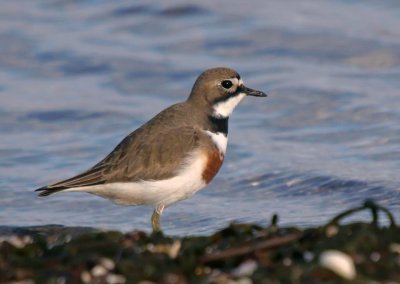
154, 151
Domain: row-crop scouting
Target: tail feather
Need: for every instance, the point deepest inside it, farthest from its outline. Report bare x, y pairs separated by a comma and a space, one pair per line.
88, 178
46, 191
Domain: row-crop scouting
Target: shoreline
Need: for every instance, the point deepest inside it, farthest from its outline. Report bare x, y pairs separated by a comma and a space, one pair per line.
355, 252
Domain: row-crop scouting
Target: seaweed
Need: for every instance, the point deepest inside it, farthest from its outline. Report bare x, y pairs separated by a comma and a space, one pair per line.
355, 252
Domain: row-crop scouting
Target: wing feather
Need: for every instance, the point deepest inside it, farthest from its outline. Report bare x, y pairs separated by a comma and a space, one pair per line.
140, 156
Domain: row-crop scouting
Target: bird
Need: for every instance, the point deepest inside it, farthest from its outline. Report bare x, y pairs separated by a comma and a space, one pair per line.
173, 155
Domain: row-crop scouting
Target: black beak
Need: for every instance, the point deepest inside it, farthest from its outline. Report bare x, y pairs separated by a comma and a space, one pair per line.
251, 92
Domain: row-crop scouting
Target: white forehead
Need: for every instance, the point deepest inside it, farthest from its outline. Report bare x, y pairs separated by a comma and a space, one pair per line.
237, 82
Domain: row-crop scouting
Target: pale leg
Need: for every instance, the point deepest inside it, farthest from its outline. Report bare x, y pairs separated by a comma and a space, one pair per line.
155, 218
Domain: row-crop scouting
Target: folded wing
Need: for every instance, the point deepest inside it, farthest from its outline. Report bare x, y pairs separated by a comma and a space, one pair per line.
140, 156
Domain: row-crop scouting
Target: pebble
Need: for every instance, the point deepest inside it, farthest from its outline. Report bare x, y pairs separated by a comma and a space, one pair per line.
99, 270
115, 279
17, 241
340, 263
107, 263
246, 268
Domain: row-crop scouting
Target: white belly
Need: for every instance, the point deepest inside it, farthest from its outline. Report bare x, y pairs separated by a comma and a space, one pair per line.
161, 192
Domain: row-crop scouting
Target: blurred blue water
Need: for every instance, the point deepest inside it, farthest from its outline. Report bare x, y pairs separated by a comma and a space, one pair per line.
78, 76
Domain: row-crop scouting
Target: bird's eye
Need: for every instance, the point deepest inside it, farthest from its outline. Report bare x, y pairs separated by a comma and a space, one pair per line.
226, 84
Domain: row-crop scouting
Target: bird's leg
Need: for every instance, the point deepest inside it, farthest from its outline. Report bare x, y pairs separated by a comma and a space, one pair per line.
155, 218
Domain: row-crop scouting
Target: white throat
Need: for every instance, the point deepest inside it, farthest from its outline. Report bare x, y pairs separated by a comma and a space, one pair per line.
225, 108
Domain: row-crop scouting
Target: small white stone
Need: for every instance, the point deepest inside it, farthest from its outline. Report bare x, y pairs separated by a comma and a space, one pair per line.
61, 280
86, 277
394, 247
308, 256
174, 249
246, 268
339, 262
115, 279
287, 261
99, 271
17, 241
331, 231
375, 256
107, 263
244, 280
68, 238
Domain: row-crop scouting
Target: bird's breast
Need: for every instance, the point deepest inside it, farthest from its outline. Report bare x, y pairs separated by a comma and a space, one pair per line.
214, 160
214, 154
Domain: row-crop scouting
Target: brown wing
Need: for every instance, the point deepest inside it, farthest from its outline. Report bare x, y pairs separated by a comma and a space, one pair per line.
140, 156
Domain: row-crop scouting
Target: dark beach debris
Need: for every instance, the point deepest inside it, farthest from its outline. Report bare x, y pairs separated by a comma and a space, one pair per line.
251, 247
356, 252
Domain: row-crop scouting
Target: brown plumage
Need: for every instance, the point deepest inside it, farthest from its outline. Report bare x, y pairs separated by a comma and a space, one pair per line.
214, 162
142, 155
162, 149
